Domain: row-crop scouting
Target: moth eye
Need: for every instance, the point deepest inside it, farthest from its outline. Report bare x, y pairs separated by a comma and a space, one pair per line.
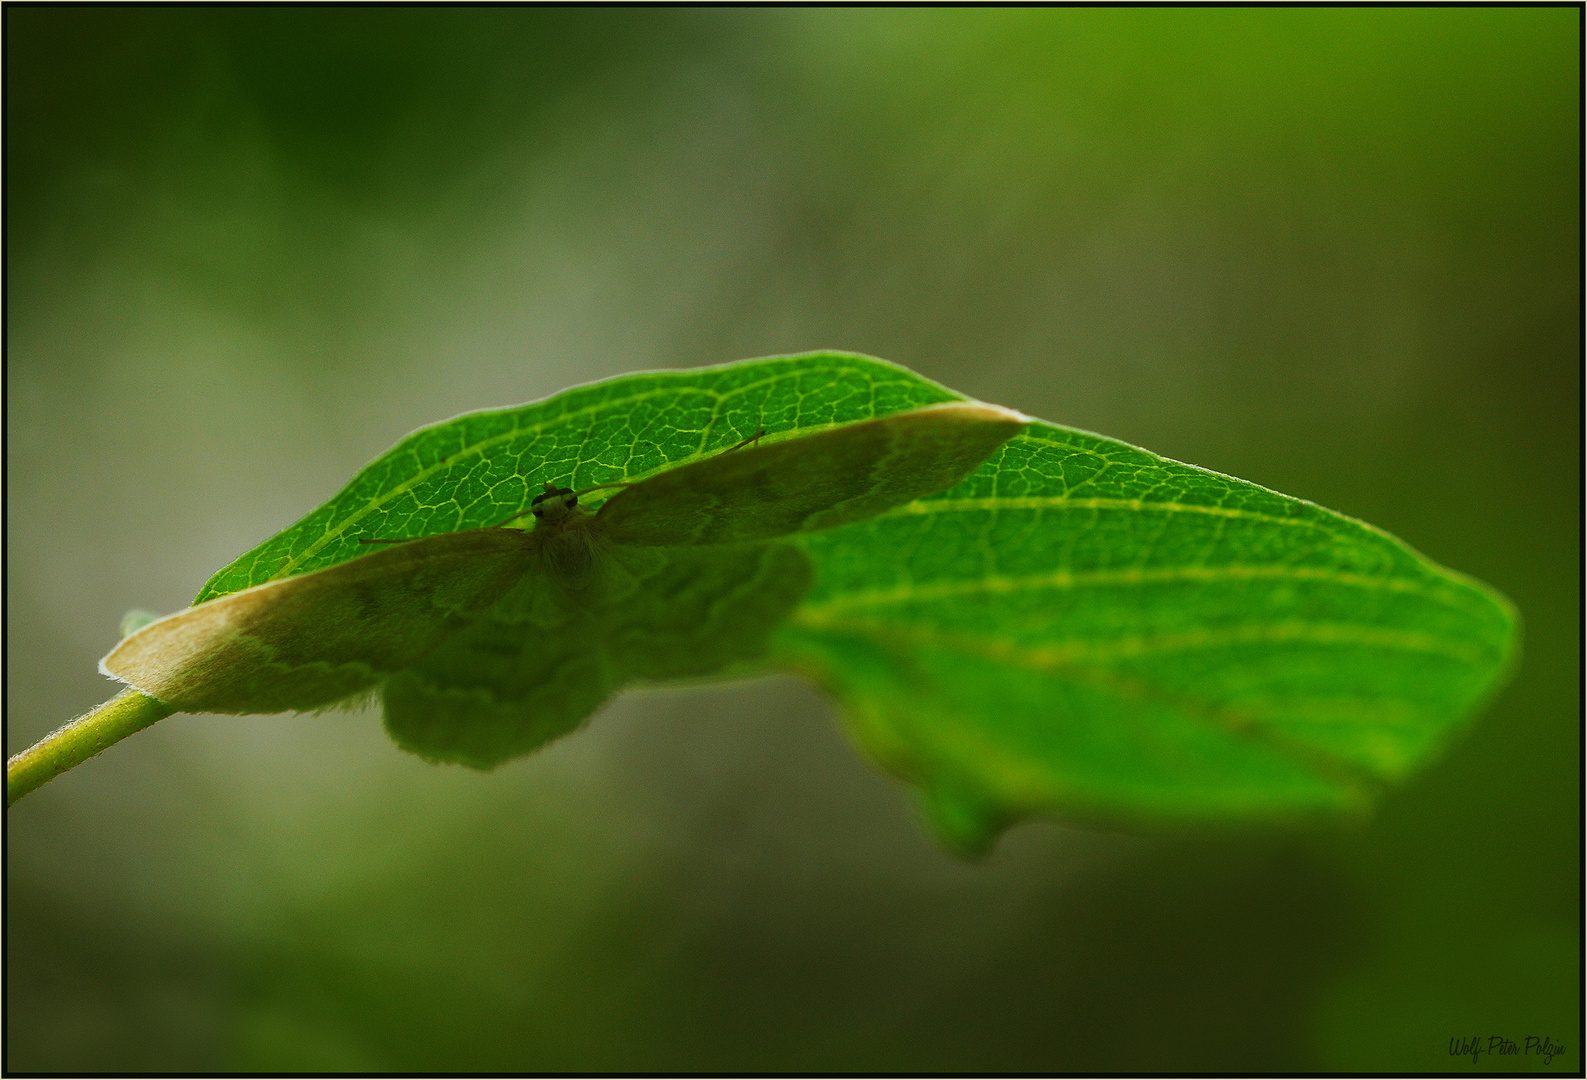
571, 501
538, 512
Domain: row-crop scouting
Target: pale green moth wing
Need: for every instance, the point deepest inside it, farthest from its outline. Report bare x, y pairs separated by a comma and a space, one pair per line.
309, 641
810, 482
544, 659
1086, 630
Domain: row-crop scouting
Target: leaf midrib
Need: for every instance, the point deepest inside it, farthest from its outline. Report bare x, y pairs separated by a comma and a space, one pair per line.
1065, 502
1064, 579
1066, 654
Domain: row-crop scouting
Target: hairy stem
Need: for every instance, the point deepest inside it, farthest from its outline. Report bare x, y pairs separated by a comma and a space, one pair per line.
127, 712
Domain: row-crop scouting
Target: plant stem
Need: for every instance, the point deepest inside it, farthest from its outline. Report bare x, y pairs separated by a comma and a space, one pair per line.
129, 711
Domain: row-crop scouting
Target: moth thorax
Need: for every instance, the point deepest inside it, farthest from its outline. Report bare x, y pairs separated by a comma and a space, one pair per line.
555, 506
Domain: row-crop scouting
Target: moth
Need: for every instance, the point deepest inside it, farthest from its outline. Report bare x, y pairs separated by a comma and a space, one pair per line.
309, 641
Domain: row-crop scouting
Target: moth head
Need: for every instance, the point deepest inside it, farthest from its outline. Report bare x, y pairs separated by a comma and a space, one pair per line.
554, 504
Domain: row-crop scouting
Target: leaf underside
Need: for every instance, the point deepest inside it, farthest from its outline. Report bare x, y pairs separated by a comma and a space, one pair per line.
1079, 628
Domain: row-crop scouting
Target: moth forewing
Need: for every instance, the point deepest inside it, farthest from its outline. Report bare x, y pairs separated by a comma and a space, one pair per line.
928, 450
811, 482
308, 641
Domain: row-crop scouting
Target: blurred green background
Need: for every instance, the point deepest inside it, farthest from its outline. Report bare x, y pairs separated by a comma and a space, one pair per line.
1332, 251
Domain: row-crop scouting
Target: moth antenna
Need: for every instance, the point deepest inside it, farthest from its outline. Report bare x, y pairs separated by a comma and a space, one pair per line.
755, 438
598, 487
514, 517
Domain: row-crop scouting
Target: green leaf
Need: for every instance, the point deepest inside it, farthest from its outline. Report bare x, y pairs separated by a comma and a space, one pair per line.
1078, 628
1084, 628
474, 470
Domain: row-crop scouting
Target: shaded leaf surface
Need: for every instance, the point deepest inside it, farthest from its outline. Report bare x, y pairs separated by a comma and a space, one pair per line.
1080, 627
1085, 628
